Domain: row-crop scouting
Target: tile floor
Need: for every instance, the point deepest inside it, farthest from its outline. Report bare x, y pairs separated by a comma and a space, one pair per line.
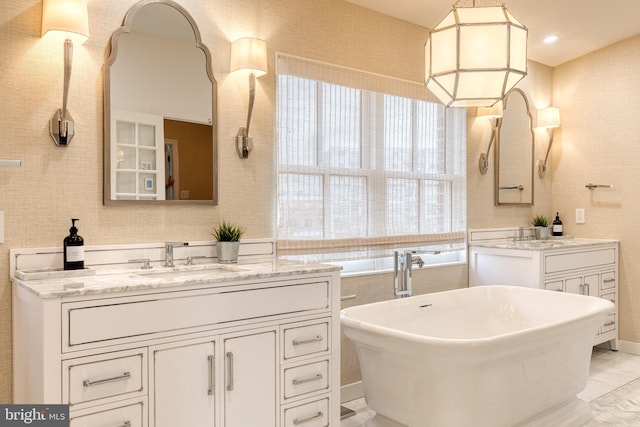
613, 392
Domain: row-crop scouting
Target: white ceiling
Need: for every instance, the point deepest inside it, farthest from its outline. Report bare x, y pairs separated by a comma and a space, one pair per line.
582, 26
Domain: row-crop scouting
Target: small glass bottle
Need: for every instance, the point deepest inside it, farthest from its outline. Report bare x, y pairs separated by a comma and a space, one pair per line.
556, 229
73, 249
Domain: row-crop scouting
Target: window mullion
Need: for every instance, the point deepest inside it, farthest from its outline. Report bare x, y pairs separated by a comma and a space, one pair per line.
378, 193
323, 162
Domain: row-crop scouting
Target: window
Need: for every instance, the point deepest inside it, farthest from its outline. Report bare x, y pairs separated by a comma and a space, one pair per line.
365, 163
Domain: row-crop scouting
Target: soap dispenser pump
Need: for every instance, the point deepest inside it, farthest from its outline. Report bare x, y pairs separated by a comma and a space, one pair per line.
556, 229
73, 248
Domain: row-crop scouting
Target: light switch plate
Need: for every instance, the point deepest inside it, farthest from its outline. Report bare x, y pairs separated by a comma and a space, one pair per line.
580, 219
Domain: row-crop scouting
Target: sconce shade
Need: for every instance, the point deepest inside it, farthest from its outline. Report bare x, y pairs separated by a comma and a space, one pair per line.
474, 56
249, 54
65, 15
548, 118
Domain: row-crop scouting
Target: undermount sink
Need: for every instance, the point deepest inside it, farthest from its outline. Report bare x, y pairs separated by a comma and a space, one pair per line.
191, 271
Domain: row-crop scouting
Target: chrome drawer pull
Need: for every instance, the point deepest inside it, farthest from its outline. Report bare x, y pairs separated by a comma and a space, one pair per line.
348, 297
126, 424
317, 377
609, 324
297, 422
89, 383
211, 375
230, 371
317, 338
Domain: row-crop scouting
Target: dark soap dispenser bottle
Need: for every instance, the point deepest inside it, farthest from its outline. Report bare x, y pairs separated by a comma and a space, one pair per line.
73, 249
556, 229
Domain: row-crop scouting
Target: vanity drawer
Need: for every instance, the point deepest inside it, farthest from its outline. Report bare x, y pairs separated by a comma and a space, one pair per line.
609, 323
610, 296
114, 318
125, 416
304, 340
314, 414
305, 379
105, 376
558, 262
608, 280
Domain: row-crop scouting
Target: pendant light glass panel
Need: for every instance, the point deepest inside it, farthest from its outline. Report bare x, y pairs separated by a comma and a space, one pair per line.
475, 56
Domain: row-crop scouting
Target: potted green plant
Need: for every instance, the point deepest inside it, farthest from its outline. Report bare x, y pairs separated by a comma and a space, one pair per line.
542, 227
227, 236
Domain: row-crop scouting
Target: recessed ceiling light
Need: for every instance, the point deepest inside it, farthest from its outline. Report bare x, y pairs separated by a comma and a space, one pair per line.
551, 39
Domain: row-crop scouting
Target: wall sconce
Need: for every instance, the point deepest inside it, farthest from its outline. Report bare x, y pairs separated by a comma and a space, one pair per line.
248, 54
495, 115
548, 118
69, 16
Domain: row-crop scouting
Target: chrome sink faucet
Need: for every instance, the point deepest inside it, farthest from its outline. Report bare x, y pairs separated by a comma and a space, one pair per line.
168, 248
403, 272
521, 234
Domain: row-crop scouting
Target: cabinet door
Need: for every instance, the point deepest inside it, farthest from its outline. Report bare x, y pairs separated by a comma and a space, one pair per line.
574, 285
592, 285
184, 386
584, 285
250, 380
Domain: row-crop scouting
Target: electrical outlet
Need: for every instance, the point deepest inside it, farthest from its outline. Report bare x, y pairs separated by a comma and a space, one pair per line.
184, 194
580, 219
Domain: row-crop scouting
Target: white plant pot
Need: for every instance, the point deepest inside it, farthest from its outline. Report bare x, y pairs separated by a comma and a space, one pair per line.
227, 252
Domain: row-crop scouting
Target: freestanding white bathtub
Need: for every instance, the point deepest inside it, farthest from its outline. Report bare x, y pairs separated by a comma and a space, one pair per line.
484, 356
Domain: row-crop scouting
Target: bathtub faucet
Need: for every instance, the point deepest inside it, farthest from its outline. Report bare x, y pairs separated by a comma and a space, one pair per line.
403, 272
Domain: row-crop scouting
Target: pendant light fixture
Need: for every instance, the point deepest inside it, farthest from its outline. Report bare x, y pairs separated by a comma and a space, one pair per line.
475, 55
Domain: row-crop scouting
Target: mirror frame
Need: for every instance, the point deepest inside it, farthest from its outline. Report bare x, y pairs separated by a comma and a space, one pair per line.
497, 152
126, 28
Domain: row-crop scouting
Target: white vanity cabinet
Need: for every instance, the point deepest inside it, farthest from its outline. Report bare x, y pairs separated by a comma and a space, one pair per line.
581, 266
185, 384
254, 349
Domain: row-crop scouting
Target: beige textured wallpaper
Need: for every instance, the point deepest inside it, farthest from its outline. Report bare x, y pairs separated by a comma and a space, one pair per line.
599, 142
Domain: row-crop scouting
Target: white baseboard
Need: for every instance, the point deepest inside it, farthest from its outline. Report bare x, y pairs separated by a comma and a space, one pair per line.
351, 392
629, 347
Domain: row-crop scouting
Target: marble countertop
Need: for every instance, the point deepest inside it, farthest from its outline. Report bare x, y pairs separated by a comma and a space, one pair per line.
60, 284
542, 245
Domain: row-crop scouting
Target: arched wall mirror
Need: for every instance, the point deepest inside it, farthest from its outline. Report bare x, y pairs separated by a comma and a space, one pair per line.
160, 110
514, 152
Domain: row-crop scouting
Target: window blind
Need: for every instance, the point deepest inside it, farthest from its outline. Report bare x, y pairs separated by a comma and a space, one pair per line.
365, 163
